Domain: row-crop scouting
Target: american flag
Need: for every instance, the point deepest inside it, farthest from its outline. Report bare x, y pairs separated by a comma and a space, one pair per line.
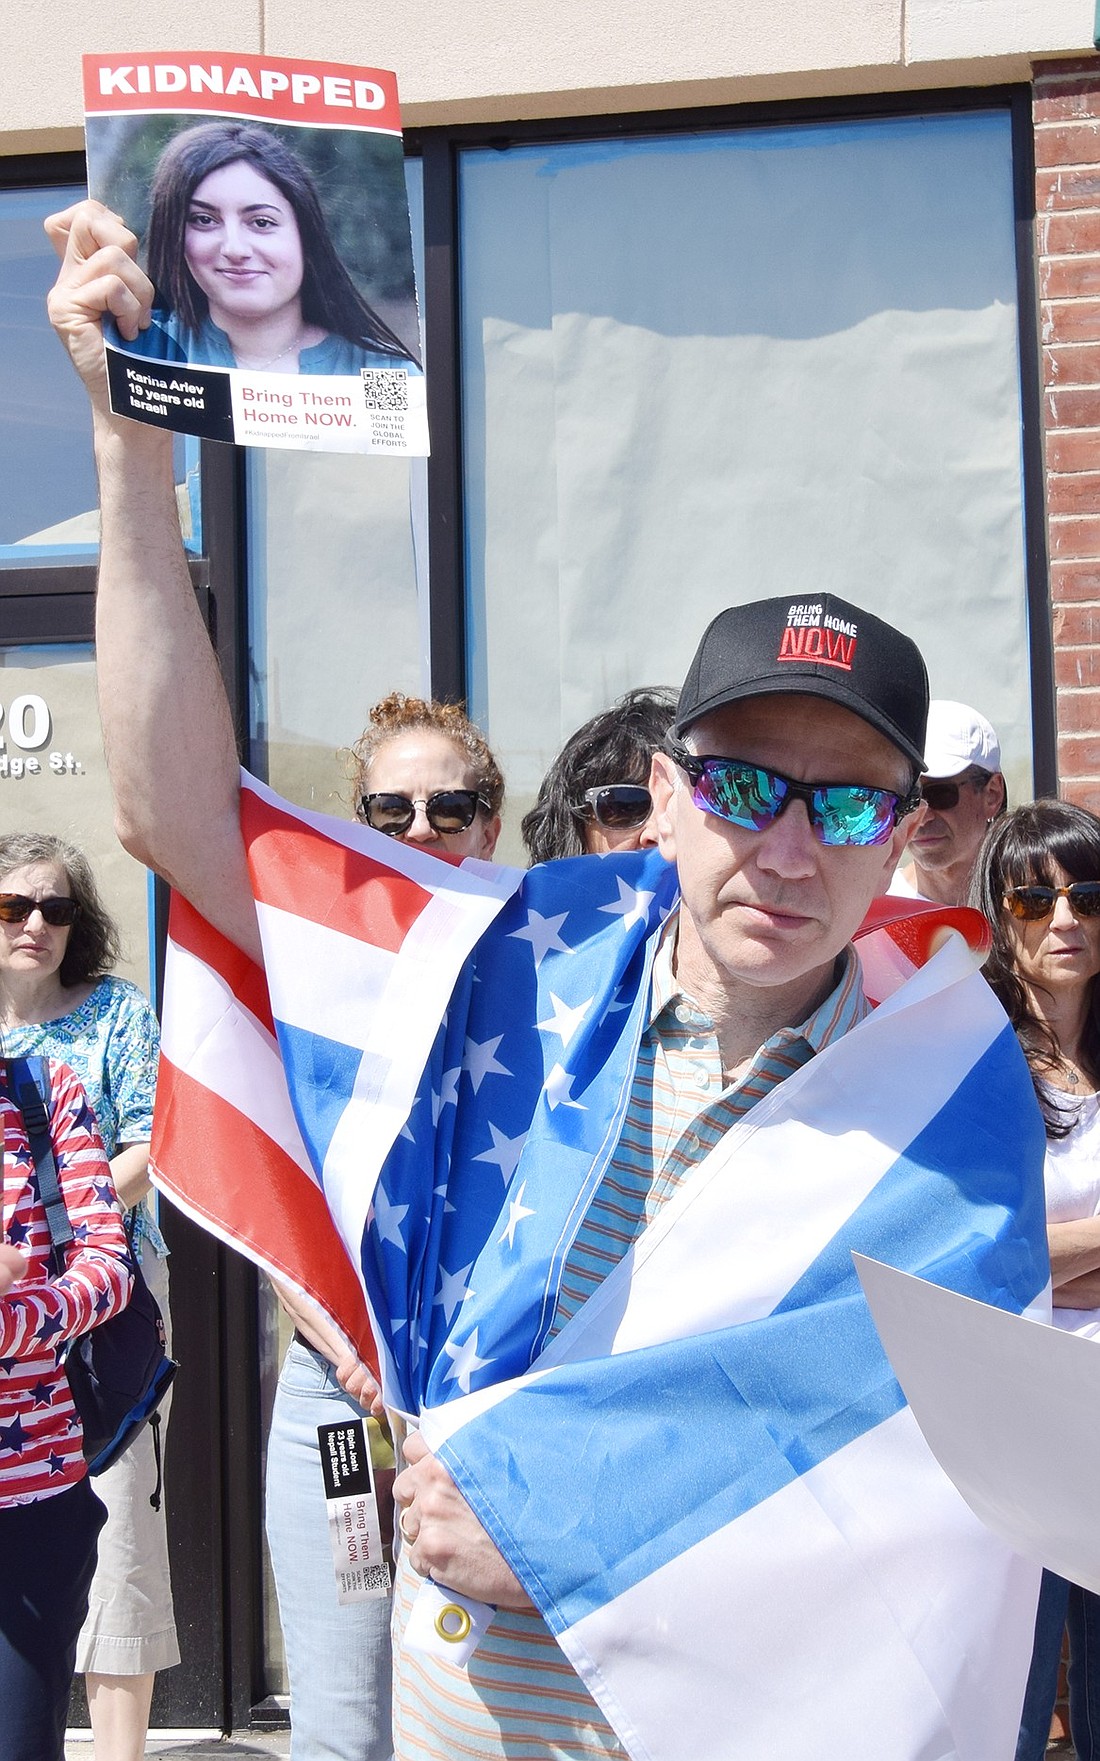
751, 1514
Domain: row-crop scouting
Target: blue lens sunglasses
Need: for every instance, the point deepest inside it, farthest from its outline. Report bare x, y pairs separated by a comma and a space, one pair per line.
747, 795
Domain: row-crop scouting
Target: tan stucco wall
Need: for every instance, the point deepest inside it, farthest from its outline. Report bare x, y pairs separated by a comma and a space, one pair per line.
475, 60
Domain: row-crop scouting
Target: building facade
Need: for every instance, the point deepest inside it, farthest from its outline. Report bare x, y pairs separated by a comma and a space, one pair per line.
716, 303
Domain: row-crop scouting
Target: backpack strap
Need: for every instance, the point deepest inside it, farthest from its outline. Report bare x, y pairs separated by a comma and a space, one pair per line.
30, 1081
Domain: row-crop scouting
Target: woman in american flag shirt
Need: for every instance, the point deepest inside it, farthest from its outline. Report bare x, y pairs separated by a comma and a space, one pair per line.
49, 1516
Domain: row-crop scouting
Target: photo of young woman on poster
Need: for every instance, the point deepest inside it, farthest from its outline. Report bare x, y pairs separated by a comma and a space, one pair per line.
244, 265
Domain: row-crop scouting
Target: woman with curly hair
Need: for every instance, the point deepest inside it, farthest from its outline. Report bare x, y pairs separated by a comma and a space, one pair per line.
412, 743
59, 999
245, 270
1038, 882
423, 773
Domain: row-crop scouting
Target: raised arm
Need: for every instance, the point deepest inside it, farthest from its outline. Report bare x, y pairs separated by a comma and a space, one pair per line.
167, 729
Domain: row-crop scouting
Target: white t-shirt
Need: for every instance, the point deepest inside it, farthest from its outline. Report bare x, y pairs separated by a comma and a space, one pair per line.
902, 887
1071, 1175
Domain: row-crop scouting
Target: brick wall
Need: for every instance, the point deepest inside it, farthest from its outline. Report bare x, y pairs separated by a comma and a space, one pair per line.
1067, 176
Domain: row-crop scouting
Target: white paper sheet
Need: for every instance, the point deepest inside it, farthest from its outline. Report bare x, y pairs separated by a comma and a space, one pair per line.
1009, 1407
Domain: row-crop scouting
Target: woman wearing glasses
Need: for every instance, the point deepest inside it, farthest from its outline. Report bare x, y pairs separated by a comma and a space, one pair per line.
59, 1000
1038, 882
422, 773
595, 796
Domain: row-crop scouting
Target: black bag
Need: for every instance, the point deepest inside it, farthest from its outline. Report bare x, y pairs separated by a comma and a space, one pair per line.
120, 1371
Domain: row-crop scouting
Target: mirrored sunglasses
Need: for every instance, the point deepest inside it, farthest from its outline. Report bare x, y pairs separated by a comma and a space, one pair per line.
1031, 904
57, 912
618, 806
448, 810
747, 795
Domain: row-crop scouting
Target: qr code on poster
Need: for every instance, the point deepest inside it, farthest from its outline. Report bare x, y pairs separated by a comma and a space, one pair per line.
376, 1577
385, 388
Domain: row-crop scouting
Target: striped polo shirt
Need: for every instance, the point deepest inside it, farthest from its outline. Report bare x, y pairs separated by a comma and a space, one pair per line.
519, 1699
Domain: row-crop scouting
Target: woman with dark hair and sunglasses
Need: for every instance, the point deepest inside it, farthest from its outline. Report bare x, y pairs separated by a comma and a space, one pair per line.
59, 999
595, 796
245, 270
1038, 882
422, 773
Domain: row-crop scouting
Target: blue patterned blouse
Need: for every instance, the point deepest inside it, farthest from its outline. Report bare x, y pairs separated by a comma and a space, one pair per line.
111, 1041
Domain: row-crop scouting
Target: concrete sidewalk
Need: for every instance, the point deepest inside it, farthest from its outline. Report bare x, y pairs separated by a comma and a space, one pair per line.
196, 1747
275, 1743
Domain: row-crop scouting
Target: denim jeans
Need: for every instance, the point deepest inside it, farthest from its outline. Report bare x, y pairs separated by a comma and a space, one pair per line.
338, 1656
1062, 1604
47, 1557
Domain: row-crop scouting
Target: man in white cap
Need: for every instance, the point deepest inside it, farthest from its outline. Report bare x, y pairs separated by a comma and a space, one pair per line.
963, 790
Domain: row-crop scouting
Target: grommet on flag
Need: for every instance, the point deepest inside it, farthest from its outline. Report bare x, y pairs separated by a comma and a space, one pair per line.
446, 1625
453, 1623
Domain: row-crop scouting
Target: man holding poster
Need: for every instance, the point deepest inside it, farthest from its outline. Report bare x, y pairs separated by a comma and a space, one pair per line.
600, 1141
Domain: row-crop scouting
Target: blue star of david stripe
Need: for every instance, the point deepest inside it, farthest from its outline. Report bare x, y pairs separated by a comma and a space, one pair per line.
701, 1435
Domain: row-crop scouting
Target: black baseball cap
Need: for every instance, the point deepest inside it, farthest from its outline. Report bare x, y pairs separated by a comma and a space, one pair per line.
817, 645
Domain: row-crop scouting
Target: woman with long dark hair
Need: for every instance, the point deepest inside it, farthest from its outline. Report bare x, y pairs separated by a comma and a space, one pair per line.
245, 270
1038, 882
595, 796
